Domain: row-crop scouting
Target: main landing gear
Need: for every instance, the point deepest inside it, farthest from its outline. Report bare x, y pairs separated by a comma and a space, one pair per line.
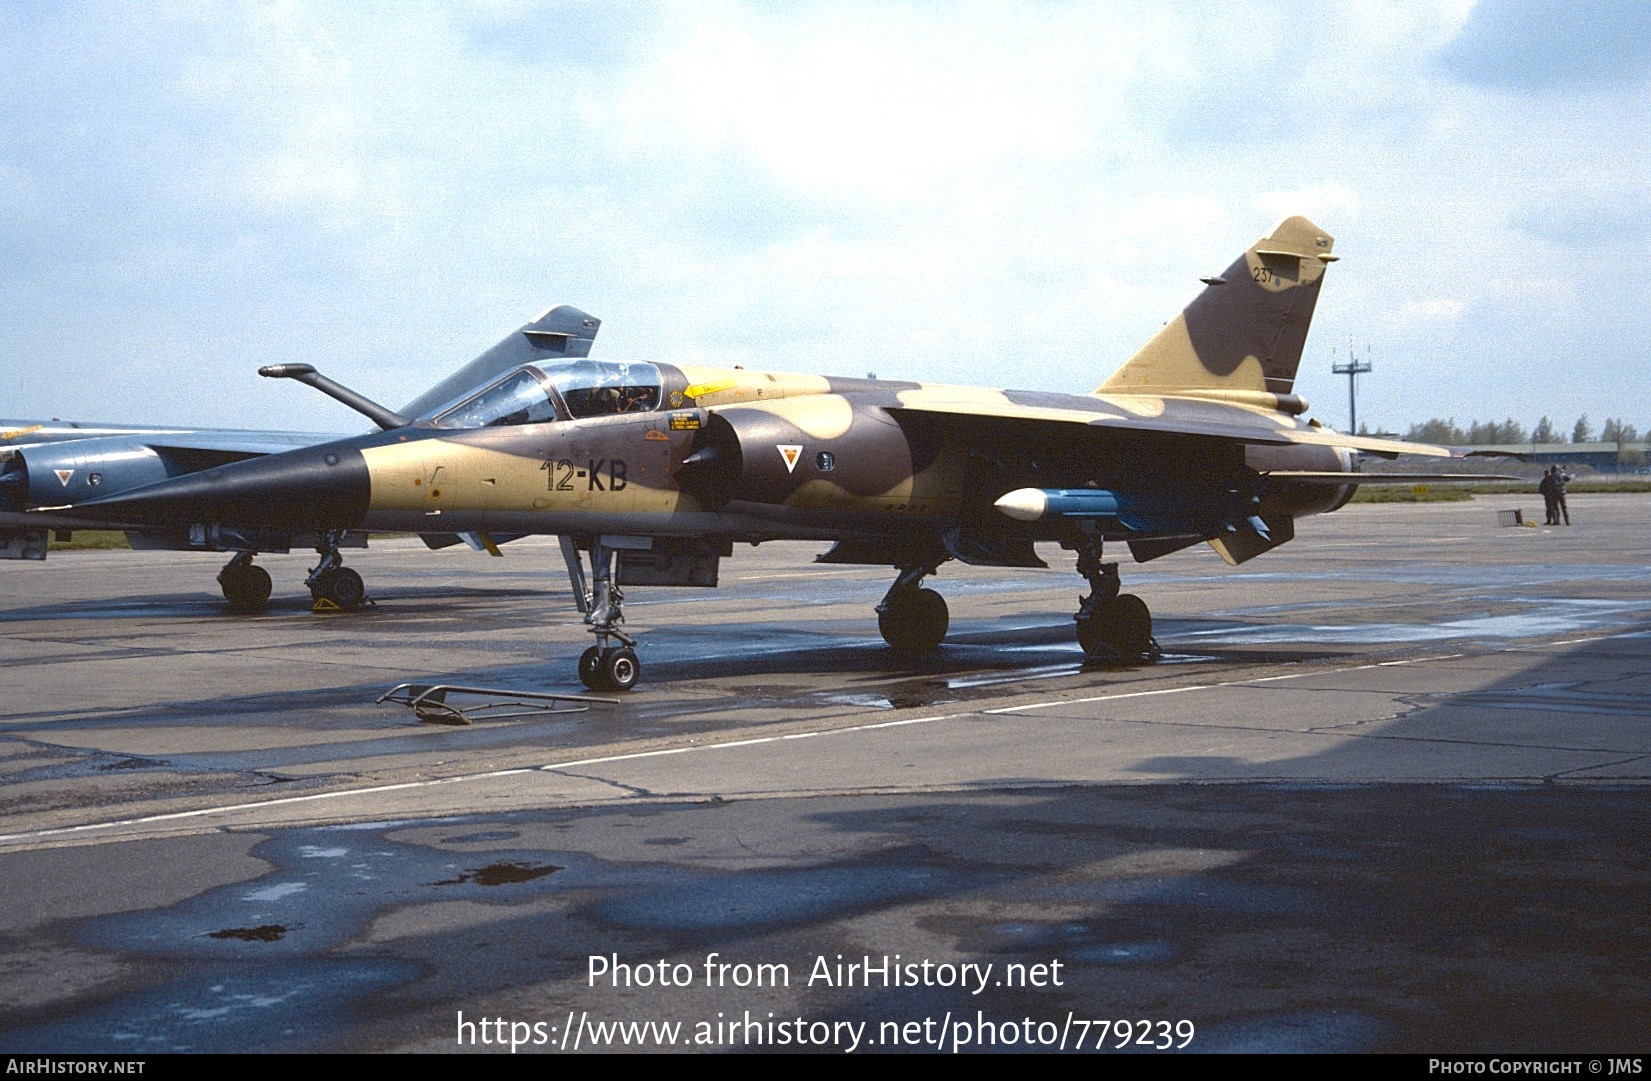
246, 587
604, 666
1113, 627
333, 586
912, 619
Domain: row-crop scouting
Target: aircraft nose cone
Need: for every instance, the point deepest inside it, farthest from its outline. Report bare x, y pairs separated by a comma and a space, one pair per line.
324, 487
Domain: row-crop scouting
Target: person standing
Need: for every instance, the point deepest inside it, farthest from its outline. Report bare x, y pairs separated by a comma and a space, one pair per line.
1550, 500
1560, 478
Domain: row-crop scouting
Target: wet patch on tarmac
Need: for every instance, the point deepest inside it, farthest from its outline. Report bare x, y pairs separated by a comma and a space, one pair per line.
1076, 942
501, 874
679, 900
128, 763
484, 837
255, 963
1538, 619
908, 697
292, 1005
269, 932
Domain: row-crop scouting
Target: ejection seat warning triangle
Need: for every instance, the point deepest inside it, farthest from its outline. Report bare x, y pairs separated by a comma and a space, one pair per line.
790, 452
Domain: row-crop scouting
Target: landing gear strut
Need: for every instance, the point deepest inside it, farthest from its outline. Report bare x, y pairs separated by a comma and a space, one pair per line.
246, 587
333, 585
1113, 627
604, 666
912, 619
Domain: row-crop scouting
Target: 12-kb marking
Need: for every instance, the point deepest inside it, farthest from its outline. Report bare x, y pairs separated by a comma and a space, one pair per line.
561, 474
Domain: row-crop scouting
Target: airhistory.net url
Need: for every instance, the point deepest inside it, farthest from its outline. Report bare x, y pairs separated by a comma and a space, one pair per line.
580, 1032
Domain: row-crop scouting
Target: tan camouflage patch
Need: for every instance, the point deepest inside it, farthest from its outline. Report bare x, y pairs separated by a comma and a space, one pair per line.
820, 417
736, 386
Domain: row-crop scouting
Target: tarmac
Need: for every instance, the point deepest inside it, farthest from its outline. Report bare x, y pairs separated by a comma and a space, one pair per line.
1385, 792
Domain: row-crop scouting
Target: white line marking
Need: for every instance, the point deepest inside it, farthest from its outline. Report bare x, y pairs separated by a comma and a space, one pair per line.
1219, 685
202, 812
316, 797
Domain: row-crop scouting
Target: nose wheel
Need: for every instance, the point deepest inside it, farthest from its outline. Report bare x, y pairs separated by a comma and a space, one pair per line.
615, 668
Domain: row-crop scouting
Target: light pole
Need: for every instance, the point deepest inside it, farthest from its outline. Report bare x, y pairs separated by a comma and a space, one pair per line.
1352, 370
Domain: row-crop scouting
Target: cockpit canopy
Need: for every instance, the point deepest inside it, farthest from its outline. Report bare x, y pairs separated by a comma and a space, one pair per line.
533, 394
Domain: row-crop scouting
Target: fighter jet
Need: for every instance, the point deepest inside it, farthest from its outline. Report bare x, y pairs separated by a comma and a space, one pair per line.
650, 471
48, 466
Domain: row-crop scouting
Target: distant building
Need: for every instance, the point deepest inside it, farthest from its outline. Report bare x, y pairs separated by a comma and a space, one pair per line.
1610, 457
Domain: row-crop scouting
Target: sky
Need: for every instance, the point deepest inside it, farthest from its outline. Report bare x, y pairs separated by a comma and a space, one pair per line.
1004, 194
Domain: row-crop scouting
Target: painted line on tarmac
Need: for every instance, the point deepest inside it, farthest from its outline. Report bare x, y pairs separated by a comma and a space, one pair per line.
553, 767
405, 786
1224, 683
234, 808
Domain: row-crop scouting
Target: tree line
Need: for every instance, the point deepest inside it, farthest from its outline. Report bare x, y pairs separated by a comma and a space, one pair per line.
1511, 431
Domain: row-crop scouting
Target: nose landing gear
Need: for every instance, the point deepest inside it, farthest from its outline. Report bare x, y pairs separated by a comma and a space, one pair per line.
603, 667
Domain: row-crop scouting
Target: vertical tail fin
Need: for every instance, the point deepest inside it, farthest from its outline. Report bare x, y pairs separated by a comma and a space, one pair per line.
1246, 330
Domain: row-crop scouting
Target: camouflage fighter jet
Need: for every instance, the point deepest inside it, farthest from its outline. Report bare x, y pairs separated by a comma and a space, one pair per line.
649, 472
47, 466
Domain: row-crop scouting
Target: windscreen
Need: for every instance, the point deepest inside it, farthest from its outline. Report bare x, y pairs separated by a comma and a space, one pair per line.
595, 388
522, 397
576, 389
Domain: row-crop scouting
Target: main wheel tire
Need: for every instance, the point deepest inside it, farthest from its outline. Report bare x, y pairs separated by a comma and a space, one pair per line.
343, 587
914, 621
1119, 629
1092, 632
247, 588
621, 668
590, 669
1132, 620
